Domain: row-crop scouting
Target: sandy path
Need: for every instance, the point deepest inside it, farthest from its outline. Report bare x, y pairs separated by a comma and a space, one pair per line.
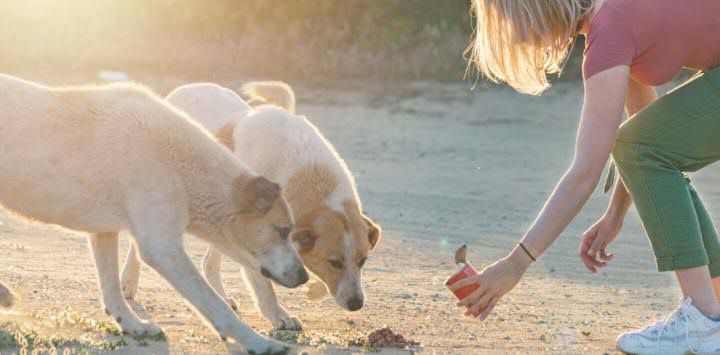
437, 165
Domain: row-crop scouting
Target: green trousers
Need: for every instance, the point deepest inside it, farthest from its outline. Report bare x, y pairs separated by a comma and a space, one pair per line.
678, 133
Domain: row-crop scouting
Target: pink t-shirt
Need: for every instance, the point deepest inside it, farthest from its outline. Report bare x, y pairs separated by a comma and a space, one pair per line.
656, 38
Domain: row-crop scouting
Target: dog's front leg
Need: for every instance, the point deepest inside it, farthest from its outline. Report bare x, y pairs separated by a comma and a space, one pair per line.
266, 301
166, 255
104, 248
211, 270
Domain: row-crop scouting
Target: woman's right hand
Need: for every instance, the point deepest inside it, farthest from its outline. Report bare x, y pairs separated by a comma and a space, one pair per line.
493, 282
597, 238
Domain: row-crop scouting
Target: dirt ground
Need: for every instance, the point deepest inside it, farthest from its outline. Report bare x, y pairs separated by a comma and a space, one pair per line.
437, 165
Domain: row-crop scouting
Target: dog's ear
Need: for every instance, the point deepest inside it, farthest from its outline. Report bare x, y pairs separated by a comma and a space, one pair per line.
374, 232
304, 239
256, 101
225, 135
255, 194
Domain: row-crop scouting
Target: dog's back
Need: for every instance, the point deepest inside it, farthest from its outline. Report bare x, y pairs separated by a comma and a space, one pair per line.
49, 153
211, 104
68, 155
280, 144
270, 138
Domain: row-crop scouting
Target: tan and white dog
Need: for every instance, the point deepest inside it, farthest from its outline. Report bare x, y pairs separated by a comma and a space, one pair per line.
117, 157
332, 234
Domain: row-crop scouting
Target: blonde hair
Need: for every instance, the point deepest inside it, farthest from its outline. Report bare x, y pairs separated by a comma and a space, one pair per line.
519, 42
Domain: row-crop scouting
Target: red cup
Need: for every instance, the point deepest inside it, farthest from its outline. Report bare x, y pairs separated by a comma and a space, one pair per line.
465, 272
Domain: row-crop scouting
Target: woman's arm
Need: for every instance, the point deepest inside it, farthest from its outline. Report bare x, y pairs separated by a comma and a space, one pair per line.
601, 115
638, 96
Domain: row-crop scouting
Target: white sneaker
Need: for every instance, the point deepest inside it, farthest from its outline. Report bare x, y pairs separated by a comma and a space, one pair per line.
684, 330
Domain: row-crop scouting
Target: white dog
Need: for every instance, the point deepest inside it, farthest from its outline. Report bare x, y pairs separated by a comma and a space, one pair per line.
332, 234
111, 158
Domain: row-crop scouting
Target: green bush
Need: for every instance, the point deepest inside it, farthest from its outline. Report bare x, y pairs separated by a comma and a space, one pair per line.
376, 39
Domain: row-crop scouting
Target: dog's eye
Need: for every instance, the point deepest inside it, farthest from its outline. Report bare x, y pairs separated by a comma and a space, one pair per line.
362, 262
336, 264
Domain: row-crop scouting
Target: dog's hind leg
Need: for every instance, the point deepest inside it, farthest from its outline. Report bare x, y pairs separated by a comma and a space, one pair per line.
6, 296
104, 248
266, 301
130, 277
211, 271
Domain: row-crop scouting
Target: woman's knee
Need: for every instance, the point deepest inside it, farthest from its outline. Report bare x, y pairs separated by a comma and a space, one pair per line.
628, 137
633, 148
625, 155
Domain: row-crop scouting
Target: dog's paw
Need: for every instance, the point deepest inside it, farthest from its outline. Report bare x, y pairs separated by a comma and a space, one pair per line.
139, 328
129, 292
263, 346
6, 297
129, 284
286, 322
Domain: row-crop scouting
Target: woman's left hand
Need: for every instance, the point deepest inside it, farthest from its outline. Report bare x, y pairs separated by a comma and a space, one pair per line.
493, 283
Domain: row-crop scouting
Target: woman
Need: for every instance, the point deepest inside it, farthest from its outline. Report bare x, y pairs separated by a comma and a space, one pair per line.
632, 45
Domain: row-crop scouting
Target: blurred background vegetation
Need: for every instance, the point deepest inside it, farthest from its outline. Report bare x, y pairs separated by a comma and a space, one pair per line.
282, 39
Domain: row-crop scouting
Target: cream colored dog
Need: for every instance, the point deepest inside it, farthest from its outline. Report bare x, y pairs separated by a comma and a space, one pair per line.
332, 234
110, 158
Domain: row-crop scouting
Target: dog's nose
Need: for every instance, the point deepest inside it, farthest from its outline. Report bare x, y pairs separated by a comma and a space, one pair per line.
302, 276
355, 303
265, 272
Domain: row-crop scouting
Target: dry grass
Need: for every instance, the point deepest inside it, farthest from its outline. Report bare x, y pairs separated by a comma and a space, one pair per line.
66, 332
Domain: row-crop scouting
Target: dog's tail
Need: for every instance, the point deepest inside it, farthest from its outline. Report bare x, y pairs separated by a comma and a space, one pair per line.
270, 92
6, 296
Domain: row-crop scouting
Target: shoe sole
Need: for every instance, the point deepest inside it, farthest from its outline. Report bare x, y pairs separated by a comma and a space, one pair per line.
678, 351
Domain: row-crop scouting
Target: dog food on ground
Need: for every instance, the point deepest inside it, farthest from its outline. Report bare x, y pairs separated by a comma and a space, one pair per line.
385, 338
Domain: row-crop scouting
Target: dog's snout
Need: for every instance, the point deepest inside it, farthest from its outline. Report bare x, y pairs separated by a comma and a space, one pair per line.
296, 278
290, 278
355, 303
302, 276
